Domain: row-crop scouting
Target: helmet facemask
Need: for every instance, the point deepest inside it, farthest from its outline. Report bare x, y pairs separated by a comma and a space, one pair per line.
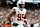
21, 5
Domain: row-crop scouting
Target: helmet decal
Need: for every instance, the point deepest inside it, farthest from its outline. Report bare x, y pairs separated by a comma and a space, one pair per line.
22, 1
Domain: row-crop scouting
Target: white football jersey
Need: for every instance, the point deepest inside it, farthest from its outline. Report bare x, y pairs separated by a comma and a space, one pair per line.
19, 16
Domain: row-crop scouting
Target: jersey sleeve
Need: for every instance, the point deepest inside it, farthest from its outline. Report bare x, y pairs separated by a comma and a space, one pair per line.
25, 10
25, 20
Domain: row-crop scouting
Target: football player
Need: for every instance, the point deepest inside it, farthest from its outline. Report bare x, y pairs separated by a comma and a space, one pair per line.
19, 14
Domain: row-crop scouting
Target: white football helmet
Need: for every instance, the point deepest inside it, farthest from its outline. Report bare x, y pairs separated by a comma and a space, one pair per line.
21, 2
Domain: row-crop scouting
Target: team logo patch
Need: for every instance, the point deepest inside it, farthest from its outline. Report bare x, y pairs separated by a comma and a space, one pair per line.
18, 11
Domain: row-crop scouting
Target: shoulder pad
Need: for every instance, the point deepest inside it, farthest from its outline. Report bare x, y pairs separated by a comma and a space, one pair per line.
14, 8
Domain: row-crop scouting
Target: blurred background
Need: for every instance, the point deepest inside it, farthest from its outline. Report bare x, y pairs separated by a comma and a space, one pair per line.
32, 7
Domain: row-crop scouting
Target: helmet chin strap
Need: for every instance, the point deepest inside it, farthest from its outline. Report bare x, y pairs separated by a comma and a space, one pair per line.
21, 9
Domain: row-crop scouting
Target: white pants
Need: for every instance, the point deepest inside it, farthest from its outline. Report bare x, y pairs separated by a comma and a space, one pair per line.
20, 26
